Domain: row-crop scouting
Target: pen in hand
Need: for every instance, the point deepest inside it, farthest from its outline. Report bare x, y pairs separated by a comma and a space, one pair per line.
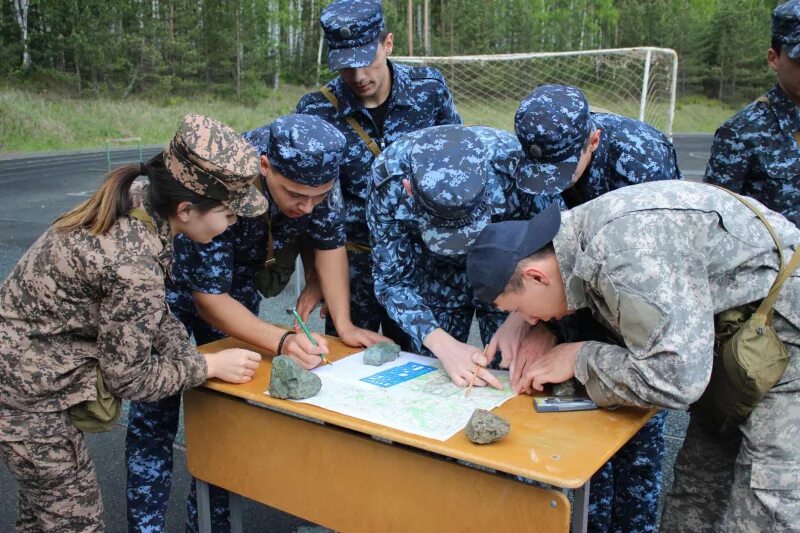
293, 311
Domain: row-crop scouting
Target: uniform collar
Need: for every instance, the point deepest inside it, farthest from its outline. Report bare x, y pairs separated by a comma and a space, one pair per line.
784, 110
401, 94
567, 248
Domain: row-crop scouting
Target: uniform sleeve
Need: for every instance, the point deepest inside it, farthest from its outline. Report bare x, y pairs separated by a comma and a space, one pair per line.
447, 110
207, 268
394, 260
660, 303
729, 165
131, 315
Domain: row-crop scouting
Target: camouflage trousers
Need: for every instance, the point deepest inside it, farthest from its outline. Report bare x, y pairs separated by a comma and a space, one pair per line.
748, 482
624, 493
58, 488
152, 427
365, 311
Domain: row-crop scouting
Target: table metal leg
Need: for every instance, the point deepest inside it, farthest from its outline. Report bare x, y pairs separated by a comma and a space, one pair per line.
203, 507
235, 505
580, 509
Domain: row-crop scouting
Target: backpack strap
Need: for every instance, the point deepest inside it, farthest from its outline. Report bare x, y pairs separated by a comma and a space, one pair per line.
371, 144
785, 271
270, 242
143, 216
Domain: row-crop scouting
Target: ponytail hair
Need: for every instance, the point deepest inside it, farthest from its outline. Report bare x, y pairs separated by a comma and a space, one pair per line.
112, 200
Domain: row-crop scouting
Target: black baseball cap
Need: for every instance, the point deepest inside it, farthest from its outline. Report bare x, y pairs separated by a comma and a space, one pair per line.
501, 246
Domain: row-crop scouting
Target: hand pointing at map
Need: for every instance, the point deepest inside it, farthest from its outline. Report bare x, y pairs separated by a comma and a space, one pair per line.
459, 360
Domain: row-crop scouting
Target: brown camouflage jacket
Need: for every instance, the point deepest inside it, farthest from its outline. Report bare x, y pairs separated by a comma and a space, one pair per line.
75, 301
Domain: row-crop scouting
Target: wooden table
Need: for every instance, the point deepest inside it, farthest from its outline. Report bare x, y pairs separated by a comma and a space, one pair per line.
351, 475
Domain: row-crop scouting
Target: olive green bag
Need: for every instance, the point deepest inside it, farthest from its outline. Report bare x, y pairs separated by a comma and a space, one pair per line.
749, 358
274, 274
100, 414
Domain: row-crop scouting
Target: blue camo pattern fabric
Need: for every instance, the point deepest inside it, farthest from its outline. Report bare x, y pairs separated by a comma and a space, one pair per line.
419, 99
421, 289
226, 265
786, 27
755, 153
352, 30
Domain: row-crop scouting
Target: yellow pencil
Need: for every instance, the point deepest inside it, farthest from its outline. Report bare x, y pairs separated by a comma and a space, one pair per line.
475, 374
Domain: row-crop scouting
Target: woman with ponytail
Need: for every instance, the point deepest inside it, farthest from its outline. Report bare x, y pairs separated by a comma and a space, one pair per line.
83, 312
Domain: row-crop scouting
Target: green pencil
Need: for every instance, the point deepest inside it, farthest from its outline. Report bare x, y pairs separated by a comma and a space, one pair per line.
308, 333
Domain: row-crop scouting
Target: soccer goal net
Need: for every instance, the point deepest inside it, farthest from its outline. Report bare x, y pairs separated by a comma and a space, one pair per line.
635, 82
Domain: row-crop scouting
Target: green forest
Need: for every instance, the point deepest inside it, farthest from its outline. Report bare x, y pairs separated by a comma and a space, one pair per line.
179, 52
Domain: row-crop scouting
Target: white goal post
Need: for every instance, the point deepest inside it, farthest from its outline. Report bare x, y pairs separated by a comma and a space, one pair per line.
635, 82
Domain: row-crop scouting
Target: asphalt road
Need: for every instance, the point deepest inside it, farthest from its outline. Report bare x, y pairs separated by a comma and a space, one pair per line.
36, 188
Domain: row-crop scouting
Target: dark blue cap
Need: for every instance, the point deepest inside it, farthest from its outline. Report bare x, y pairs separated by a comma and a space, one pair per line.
448, 181
305, 149
501, 246
352, 29
552, 123
786, 27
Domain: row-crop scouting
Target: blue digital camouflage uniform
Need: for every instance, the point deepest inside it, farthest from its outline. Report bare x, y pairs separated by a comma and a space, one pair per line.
553, 124
655, 263
419, 98
755, 153
462, 178
228, 264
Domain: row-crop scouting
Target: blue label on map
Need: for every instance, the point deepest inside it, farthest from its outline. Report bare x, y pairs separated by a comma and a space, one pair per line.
398, 374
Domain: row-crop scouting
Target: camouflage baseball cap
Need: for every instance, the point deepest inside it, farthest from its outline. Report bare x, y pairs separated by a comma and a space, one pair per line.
211, 159
448, 180
305, 149
552, 123
352, 29
786, 27
501, 246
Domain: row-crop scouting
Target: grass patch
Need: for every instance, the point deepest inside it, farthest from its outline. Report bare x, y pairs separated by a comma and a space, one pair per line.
31, 121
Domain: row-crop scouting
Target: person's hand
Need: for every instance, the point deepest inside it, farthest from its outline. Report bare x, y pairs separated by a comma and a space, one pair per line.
459, 360
556, 366
299, 348
234, 365
508, 339
309, 298
534, 344
354, 336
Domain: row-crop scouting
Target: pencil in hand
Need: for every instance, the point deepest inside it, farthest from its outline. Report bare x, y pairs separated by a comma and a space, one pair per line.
475, 374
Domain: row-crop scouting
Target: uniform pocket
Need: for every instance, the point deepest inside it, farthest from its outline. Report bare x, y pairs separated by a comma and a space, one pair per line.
775, 475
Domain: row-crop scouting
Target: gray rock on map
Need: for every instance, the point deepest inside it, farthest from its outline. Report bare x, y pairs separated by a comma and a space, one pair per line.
380, 353
485, 427
290, 380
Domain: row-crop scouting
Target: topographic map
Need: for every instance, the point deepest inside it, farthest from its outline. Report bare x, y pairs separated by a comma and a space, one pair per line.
412, 394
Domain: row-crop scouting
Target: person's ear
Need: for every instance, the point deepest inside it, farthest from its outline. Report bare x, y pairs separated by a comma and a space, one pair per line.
388, 43
407, 187
264, 165
533, 272
182, 211
594, 139
772, 59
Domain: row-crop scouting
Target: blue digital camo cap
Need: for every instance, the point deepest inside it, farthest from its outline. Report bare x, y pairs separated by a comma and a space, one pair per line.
552, 123
501, 246
352, 29
305, 149
786, 27
448, 183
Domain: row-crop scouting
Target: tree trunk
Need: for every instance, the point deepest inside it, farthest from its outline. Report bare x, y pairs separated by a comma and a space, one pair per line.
426, 28
239, 51
20, 8
410, 25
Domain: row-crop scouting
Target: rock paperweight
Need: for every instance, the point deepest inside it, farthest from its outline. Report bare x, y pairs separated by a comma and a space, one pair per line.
381, 353
290, 380
485, 427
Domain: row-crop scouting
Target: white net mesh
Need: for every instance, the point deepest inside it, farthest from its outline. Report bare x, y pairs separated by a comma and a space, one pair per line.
635, 82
